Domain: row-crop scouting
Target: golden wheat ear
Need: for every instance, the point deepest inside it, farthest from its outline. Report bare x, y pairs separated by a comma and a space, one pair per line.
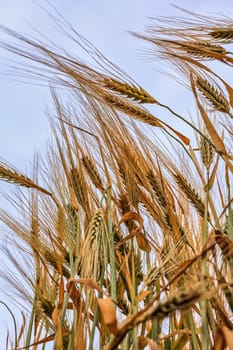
11, 175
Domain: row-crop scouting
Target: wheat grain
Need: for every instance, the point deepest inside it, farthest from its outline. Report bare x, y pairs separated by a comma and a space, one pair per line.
44, 305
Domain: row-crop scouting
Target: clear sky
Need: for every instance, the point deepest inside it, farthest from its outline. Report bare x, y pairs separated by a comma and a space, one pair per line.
23, 125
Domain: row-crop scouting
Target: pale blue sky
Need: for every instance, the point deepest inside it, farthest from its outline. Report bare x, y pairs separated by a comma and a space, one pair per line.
105, 23
23, 125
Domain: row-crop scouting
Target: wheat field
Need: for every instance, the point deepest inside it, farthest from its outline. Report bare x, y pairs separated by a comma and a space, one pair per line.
123, 237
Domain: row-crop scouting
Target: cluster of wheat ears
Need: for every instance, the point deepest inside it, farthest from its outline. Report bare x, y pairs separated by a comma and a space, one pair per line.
124, 231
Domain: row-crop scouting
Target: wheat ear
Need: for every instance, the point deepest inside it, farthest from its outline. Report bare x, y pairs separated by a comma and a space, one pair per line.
182, 300
222, 34
134, 92
131, 110
215, 97
202, 49
12, 175
78, 186
93, 172
191, 194
157, 189
207, 152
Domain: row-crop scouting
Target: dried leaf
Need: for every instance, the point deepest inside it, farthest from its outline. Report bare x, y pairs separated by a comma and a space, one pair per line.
182, 137
87, 282
58, 308
228, 336
108, 314
130, 215
223, 339
144, 341
45, 340
143, 243
225, 244
142, 295
73, 293
56, 316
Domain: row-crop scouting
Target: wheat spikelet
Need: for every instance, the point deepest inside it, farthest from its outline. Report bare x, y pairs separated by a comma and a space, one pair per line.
134, 92
154, 210
222, 34
93, 172
215, 97
93, 255
207, 152
191, 194
13, 176
131, 110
